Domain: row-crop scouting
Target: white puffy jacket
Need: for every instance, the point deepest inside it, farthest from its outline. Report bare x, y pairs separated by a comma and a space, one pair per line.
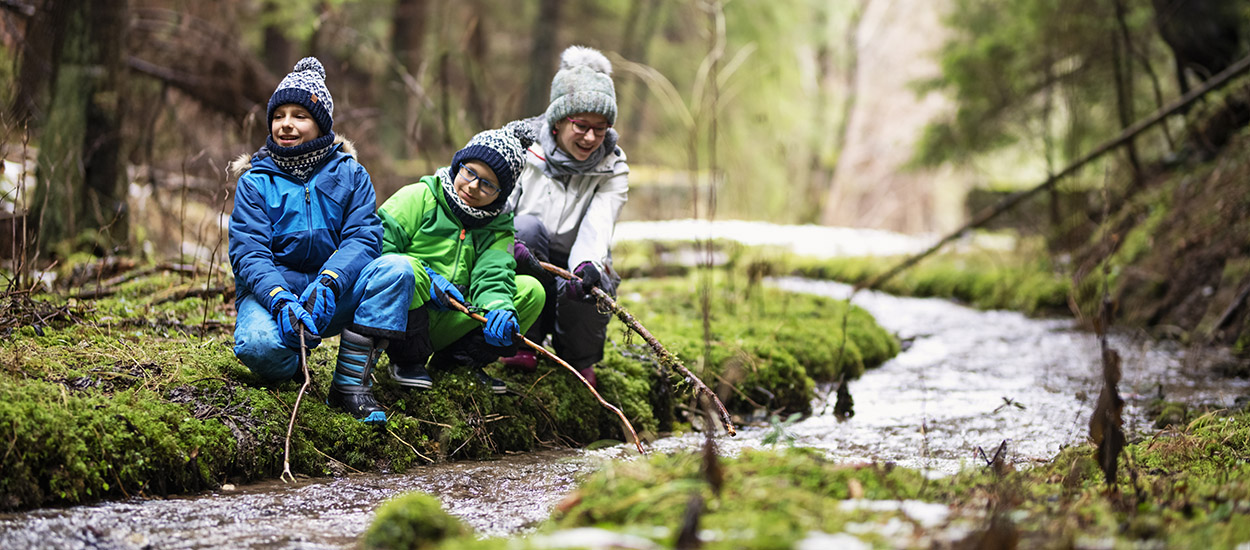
581, 214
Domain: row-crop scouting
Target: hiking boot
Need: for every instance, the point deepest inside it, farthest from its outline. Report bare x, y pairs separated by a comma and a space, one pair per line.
356, 401
495, 385
411, 376
524, 361
589, 374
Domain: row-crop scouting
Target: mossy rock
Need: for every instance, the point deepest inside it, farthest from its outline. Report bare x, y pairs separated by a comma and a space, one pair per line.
413, 520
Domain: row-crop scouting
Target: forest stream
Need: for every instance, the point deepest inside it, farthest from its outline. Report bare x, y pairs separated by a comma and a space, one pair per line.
966, 379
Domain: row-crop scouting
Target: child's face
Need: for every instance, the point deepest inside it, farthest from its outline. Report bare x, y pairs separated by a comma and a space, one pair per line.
293, 125
476, 190
580, 134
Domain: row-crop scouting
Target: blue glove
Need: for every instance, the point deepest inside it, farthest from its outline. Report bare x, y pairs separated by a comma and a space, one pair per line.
591, 277
291, 318
501, 325
441, 290
319, 299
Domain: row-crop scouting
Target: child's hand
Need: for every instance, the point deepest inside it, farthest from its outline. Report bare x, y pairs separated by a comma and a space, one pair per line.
319, 299
441, 290
291, 318
501, 324
526, 262
591, 277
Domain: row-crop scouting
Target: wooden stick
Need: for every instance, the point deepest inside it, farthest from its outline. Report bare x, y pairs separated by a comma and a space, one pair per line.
666, 358
637, 442
287, 476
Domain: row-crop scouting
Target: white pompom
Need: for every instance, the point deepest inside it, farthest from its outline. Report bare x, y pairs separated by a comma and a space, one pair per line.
311, 64
575, 56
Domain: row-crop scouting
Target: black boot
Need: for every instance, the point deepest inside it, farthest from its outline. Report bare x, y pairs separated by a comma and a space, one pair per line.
472, 351
350, 389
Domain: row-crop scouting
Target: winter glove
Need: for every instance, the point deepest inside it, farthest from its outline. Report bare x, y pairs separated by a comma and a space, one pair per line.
291, 318
591, 277
319, 299
526, 262
501, 325
441, 290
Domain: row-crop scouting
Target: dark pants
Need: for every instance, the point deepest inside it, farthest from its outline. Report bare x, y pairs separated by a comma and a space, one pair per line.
578, 329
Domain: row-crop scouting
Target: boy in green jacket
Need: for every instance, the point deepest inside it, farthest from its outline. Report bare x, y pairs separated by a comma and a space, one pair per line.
455, 228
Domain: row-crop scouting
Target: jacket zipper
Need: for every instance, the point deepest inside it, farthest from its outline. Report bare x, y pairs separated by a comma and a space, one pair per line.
459, 249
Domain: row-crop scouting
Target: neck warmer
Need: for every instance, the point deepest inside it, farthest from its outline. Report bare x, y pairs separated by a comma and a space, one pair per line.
470, 217
560, 164
301, 160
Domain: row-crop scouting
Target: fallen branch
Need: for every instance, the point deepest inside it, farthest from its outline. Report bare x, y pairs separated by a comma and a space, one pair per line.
287, 476
543, 351
667, 359
990, 212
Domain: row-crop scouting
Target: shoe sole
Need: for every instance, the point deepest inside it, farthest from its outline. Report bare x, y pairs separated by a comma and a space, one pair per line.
411, 382
375, 417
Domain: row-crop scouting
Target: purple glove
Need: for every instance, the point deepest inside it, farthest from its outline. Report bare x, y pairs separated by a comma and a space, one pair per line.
591, 277
526, 262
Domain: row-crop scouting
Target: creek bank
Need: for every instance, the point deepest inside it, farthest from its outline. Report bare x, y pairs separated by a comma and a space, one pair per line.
127, 395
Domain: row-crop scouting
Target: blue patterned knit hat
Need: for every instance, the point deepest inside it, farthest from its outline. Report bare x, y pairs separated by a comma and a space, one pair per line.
503, 150
582, 85
306, 87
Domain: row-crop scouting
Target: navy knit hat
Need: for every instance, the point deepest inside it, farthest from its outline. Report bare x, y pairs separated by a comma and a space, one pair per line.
582, 85
306, 87
503, 150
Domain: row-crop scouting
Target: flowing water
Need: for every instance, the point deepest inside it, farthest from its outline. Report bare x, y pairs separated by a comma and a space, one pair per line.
966, 380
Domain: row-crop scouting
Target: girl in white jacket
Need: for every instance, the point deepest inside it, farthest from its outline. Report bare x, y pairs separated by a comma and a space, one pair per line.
571, 192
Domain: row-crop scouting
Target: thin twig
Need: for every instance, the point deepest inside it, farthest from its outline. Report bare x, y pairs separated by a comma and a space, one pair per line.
414, 449
637, 442
286, 454
666, 358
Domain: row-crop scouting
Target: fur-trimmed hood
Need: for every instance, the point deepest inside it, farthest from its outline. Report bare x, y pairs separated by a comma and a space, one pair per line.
243, 162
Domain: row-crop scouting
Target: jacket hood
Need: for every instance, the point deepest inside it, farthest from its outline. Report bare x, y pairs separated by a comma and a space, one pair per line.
243, 162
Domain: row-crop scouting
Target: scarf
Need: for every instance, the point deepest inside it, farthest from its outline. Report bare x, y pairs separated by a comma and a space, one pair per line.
470, 217
560, 164
302, 160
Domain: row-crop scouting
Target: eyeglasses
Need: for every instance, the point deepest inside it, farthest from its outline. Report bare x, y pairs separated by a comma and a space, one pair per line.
581, 127
482, 183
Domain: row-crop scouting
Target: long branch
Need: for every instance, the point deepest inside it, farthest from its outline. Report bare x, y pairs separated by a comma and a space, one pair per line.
1125, 136
286, 454
666, 358
637, 442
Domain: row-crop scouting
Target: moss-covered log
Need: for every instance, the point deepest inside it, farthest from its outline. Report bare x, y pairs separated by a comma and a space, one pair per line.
131, 395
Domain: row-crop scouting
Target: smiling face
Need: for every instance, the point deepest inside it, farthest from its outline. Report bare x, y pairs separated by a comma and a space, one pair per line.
580, 134
293, 125
480, 190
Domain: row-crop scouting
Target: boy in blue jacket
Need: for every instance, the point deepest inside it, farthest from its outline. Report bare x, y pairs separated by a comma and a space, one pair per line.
304, 245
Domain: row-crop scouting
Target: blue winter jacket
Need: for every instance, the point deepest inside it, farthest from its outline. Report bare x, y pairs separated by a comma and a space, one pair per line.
284, 233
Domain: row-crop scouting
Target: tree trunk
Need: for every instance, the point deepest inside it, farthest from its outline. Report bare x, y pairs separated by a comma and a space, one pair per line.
80, 163
636, 48
543, 57
40, 48
407, 41
279, 51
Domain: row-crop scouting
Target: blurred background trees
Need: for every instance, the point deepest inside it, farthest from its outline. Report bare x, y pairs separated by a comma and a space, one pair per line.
861, 112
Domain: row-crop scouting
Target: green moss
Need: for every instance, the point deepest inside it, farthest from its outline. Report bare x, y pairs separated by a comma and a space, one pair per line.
139, 394
414, 520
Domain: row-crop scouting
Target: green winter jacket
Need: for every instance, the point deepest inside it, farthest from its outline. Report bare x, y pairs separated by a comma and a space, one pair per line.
417, 222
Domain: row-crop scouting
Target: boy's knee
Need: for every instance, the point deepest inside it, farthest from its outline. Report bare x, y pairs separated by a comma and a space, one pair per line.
392, 267
265, 356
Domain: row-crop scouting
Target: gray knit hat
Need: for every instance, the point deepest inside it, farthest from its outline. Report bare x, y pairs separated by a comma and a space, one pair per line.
306, 87
582, 85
